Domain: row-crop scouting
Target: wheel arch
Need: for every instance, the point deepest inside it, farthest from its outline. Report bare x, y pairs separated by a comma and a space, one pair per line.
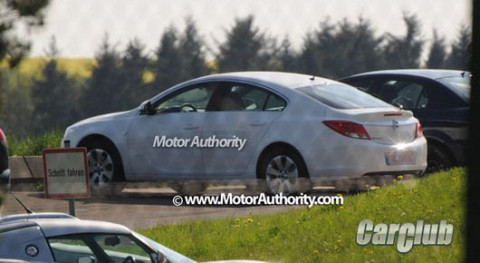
444, 147
276, 145
99, 137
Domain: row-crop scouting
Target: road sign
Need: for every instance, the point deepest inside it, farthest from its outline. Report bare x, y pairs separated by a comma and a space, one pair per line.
66, 173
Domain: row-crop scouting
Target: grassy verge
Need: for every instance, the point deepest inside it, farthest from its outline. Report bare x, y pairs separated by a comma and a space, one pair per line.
34, 145
327, 234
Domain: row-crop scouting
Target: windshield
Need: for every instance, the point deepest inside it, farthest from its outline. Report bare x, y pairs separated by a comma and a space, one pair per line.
342, 96
99, 248
459, 84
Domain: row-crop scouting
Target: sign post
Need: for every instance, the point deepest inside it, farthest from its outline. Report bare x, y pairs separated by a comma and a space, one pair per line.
66, 174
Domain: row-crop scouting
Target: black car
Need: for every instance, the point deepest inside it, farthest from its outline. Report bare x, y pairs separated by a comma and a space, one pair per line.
4, 171
438, 98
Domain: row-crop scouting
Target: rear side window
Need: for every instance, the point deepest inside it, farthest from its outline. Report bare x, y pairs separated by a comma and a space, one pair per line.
460, 85
275, 103
231, 96
342, 96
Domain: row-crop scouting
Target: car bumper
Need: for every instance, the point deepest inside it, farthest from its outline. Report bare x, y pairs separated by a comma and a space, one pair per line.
353, 158
5, 180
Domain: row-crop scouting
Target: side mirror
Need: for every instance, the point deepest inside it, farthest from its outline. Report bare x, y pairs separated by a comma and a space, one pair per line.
158, 257
147, 108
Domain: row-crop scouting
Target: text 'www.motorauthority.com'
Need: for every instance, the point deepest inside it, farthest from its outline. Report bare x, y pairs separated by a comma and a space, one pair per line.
261, 199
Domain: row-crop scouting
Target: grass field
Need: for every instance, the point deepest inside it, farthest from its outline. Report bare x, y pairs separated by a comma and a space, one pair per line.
74, 67
327, 234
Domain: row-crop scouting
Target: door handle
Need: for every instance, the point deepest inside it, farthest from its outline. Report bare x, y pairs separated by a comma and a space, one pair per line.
257, 124
191, 127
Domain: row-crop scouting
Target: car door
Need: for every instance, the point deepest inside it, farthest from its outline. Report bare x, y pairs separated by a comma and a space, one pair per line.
161, 144
238, 117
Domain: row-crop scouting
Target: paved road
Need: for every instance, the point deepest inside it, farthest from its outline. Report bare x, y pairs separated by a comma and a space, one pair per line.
134, 208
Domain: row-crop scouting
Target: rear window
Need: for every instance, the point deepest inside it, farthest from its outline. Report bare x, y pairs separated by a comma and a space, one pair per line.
460, 85
342, 96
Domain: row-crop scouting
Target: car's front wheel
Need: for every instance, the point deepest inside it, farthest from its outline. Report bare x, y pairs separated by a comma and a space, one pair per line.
104, 166
283, 171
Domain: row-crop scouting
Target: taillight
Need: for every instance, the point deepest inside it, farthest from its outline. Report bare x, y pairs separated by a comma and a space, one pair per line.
2, 136
418, 130
349, 129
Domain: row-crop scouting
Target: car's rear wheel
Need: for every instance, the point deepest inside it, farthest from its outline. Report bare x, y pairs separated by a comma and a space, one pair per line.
437, 159
104, 166
283, 171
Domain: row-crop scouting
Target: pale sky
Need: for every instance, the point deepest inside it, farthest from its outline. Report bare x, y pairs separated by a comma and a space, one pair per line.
79, 26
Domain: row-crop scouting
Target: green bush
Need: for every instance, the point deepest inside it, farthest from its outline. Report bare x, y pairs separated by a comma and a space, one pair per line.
34, 145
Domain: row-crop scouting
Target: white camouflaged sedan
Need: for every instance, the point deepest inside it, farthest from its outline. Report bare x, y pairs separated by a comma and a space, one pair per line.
275, 128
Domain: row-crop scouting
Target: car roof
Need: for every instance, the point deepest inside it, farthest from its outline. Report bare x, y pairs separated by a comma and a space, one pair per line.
55, 226
284, 79
58, 227
20, 217
426, 73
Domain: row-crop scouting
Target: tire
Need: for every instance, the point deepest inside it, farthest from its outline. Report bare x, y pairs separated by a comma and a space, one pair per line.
282, 170
104, 166
437, 159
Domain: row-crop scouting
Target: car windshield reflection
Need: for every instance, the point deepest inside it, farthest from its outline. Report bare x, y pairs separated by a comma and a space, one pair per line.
99, 248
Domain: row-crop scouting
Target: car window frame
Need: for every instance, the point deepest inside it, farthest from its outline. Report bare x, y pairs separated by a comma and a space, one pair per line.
157, 99
428, 86
97, 248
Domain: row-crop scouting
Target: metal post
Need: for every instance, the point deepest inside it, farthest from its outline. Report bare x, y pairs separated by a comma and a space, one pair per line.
71, 206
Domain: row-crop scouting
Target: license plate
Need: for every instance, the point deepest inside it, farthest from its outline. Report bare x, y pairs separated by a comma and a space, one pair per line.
397, 158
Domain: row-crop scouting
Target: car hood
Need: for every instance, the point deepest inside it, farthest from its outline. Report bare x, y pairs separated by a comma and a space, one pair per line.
105, 117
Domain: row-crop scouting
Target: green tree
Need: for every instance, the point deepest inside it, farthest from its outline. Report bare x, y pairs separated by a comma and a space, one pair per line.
340, 50
53, 95
405, 51
167, 65
287, 57
460, 50
191, 48
18, 12
17, 111
13, 12
99, 96
438, 54
131, 89
245, 48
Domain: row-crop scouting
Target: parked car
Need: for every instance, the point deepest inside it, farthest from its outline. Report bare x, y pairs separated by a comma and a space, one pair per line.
438, 98
57, 237
4, 170
280, 128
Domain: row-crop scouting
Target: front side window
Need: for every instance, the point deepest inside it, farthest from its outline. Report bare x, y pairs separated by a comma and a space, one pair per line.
191, 99
341, 96
98, 248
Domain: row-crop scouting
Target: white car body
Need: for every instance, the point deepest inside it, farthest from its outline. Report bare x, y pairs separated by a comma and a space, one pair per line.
299, 126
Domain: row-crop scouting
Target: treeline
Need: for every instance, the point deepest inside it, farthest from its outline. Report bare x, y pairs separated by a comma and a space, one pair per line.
121, 79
